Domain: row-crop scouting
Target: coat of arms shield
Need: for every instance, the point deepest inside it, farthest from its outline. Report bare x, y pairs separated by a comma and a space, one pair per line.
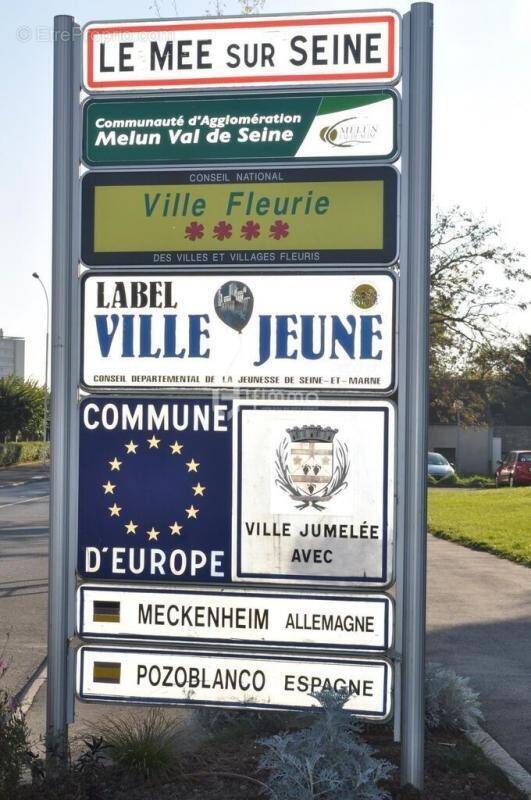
311, 466
311, 457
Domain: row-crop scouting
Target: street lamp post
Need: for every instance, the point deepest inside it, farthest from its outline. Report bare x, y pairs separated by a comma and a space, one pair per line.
45, 413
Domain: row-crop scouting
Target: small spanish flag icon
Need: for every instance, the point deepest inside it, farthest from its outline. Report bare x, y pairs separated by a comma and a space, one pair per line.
107, 672
106, 611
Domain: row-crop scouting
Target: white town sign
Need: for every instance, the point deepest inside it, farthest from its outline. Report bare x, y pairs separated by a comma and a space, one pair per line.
303, 50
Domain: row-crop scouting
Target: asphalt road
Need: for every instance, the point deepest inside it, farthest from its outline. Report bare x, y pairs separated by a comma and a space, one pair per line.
24, 493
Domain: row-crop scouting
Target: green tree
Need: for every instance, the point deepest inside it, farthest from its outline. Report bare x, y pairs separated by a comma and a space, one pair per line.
21, 408
508, 383
496, 387
474, 279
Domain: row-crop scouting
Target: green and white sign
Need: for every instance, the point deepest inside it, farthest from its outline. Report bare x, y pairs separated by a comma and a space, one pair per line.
354, 125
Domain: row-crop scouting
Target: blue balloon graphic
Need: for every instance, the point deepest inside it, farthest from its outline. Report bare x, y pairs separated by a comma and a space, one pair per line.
234, 304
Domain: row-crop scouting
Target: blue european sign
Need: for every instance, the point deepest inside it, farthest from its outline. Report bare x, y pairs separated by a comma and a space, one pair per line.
155, 490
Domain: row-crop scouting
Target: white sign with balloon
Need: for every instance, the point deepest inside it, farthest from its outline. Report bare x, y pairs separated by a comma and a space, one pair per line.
173, 330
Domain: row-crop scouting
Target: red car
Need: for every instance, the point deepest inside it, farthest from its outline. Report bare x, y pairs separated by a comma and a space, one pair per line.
515, 469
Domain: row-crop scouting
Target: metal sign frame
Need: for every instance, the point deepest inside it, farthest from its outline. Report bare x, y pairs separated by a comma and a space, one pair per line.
413, 335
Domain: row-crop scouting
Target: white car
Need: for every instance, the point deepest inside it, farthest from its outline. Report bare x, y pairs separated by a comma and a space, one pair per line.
438, 466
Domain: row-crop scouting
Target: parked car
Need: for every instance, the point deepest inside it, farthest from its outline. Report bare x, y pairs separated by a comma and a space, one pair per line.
438, 466
515, 469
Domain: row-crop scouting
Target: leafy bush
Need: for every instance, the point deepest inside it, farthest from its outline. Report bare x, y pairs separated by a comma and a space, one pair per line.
14, 750
451, 703
21, 408
85, 778
146, 744
449, 480
464, 482
329, 760
18, 452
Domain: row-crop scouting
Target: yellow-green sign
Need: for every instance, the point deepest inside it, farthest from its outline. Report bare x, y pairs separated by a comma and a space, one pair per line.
345, 215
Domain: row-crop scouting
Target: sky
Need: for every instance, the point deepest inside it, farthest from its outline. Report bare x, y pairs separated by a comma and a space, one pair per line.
481, 128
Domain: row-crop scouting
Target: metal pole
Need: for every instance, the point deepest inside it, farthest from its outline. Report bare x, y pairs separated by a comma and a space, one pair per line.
45, 411
414, 394
56, 726
402, 380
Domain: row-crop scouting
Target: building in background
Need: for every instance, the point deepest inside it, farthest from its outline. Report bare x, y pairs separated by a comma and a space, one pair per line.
477, 449
11, 355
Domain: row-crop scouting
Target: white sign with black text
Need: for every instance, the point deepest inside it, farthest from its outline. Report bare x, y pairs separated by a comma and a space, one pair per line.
333, 331
303, 49
217, 679
355, 622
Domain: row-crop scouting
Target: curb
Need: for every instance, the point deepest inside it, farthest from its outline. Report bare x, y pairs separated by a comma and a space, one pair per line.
514, 771
27, 694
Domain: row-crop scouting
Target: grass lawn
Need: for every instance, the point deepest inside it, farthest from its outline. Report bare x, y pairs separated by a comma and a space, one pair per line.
495, 520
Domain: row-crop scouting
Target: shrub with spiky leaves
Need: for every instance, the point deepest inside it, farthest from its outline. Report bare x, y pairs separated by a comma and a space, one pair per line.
451, 703
146, 744
327, 761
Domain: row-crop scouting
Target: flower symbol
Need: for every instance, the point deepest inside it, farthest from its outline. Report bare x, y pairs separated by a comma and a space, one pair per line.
223, 230
194, 231
279, 229
251, 230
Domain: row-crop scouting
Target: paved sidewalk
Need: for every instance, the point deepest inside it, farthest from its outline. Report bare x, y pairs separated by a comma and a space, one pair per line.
479, 623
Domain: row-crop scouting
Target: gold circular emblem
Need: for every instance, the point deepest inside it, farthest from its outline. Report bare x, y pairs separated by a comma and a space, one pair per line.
364, 296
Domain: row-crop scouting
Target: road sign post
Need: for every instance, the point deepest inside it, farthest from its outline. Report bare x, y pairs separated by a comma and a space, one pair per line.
414, 392
62, 270
249, 285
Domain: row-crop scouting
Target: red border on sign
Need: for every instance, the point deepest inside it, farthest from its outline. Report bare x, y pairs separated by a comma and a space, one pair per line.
92, 84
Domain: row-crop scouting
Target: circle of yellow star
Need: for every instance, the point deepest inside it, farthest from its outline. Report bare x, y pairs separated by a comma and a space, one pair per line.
192, 465
131, 447
153, 442
130, 527
153, 534
176, 448
115, 510
115, 464
192, 512
198, 489
109, 487
175, 529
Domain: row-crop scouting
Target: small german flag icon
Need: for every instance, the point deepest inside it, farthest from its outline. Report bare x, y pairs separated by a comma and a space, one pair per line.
106, 611
106, 672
